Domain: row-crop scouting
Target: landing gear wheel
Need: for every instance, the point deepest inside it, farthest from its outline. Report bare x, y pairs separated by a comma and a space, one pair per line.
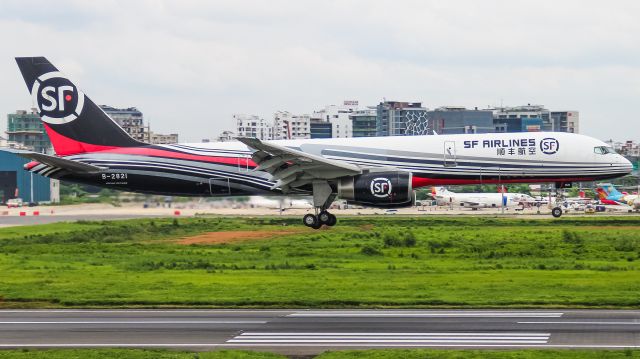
311, 220
556, 212
332, 220
324, 217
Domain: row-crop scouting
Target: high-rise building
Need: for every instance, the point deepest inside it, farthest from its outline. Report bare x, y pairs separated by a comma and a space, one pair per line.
395, 118
363, 122
529, 118
289, 126
253, 126
338, 116
565, 121
131, 120
320, 129
25, 130
455, 120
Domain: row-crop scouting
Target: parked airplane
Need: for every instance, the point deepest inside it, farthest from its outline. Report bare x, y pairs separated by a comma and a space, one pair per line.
609, 195
280, 203
480, 200
374, 171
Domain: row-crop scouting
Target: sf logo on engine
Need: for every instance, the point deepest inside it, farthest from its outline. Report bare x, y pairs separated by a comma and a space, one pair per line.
58, 100
381, 187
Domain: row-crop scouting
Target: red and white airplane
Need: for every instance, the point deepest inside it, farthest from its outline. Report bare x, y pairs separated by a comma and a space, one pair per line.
375, 171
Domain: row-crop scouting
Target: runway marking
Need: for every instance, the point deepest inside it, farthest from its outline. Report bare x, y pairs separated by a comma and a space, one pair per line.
430, 314
138, 322
590, 323
390, 339
187, 345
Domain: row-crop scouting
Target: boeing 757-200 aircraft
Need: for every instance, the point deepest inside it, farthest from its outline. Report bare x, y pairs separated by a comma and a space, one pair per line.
374, 171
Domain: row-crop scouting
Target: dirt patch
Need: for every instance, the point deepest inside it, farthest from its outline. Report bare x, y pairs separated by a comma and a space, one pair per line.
233, 236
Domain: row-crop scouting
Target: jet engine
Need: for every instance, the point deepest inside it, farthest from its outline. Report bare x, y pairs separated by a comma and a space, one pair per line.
378, 189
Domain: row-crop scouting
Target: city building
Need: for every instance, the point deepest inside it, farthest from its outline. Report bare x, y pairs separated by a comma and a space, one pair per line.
456, 120
363, 122
529, 118
338, 116
131, 120
320, 129
565, 121
15, 182
253, 126
160, 139
3, 142
25, 130
395, 118
289, 126
225, 136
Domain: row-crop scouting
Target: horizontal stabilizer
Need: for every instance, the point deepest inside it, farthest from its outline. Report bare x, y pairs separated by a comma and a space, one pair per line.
58, 162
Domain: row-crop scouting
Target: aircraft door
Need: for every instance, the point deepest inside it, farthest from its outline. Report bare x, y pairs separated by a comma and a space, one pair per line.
243, 163
219, 186
450, 154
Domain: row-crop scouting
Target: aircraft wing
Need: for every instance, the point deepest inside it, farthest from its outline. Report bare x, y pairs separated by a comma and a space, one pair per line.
293, 168
59, 163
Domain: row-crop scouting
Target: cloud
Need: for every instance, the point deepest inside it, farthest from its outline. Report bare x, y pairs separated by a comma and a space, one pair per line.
190, 65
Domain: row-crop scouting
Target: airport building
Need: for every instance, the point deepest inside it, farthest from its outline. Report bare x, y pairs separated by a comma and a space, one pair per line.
15, 182
363, 122
395, 118
456, 120
26, 131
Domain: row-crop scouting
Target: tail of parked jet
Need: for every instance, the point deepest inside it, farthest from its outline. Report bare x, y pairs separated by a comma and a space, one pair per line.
74, 123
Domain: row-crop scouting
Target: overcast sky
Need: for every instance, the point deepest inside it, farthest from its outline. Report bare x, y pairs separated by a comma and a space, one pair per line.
190, 65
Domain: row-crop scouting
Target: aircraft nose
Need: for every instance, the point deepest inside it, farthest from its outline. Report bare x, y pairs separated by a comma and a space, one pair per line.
626, 164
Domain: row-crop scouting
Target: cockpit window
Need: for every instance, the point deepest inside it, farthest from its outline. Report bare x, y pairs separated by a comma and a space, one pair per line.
603, 150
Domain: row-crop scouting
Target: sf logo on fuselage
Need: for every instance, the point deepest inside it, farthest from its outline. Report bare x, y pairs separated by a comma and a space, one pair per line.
58, 100
381, 187
549, 145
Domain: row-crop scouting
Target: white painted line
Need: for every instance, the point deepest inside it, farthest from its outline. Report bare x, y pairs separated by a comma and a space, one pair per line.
134, 322
484, 341
399, 334
429, 314
590, 323
387, 338
440, 345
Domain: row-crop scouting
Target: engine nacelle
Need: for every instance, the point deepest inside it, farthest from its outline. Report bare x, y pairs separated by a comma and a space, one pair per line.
378, 189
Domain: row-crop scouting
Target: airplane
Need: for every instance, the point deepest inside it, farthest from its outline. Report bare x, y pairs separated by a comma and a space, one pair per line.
480, 200
370, 171
609, 195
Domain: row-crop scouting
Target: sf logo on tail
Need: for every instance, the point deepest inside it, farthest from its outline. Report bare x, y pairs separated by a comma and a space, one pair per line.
57, 99
381, 187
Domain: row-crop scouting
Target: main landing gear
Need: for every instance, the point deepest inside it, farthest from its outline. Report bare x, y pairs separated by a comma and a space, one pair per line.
322, 218
323, 196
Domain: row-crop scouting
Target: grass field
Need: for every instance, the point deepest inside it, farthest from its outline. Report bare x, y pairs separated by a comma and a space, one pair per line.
355, 354
363, 262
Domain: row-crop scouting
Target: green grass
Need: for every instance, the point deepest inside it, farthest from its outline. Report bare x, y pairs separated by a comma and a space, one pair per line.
363, 262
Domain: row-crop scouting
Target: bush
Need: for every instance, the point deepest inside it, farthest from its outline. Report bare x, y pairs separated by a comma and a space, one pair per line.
370, 251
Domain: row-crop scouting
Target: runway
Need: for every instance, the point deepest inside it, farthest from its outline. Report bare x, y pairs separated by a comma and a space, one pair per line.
299, 332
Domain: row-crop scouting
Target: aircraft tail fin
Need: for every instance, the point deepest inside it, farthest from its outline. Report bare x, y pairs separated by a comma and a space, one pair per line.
74, 123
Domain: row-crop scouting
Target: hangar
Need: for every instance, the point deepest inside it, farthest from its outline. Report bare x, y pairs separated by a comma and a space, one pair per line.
15, 182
